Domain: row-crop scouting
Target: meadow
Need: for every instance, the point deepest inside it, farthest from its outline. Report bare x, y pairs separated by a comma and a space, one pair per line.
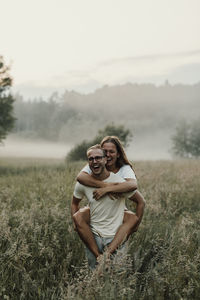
41, 257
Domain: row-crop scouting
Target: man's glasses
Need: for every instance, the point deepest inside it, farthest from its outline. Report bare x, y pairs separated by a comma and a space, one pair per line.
97, 158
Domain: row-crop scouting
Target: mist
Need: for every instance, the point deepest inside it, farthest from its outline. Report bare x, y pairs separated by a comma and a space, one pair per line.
141, 148
19, 147
51, 128
152, 147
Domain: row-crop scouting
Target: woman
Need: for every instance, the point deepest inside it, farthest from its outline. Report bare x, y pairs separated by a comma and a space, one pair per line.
117, 162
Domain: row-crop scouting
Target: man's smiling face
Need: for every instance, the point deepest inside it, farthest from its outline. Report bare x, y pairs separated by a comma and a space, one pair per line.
97, 161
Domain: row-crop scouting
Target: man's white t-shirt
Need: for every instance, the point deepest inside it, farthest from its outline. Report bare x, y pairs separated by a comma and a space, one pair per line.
125, 171
106, 215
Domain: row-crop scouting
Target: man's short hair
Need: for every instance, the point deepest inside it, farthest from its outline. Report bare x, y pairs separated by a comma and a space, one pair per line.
97, 146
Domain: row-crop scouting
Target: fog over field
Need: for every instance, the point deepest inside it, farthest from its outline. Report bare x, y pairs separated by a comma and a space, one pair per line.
18, 147
139, 149
138, 70
152, 147
151, 114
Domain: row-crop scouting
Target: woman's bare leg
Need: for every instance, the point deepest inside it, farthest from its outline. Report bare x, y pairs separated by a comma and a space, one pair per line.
130, 225
130, 222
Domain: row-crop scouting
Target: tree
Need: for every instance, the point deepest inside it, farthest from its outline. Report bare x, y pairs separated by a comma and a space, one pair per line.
123, 134
79, 151
6, 101
186, 140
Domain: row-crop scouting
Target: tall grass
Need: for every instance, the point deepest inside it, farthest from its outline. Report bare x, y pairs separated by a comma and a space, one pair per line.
41, 257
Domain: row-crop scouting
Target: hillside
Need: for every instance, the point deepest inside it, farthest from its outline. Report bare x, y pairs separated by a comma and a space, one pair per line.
150, 112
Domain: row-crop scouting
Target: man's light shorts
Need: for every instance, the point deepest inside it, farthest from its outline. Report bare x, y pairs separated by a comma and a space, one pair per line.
102, 243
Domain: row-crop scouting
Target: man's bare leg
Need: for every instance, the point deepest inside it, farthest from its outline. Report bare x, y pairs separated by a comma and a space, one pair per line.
130, 222
82, 220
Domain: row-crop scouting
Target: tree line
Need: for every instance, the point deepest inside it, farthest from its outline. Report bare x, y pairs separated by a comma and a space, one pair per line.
72, 118
142, 108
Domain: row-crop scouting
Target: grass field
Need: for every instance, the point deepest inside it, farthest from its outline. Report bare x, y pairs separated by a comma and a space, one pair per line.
41, 257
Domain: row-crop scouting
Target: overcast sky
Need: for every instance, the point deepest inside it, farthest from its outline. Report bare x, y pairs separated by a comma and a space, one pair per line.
88, 43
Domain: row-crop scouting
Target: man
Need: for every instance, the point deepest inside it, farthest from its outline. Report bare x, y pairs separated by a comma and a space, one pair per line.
105, 230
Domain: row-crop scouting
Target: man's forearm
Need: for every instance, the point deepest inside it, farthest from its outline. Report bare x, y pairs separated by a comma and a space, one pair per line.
140, 202
74, 209
75, 205
140, 211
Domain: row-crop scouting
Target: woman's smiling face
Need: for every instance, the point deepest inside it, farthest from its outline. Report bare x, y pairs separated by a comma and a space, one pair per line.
111, 154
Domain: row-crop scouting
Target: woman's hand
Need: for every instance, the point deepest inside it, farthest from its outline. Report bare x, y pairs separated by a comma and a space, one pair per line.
99, 193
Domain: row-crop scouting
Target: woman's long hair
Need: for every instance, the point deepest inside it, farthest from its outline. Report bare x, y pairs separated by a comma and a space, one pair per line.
122, 159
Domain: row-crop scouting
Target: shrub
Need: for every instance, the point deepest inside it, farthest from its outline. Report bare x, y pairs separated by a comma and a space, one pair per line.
78, 152
186, 140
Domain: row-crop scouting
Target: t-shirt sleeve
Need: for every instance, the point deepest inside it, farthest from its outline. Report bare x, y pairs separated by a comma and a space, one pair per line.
78, 191
86, 169
127, 172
